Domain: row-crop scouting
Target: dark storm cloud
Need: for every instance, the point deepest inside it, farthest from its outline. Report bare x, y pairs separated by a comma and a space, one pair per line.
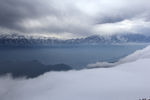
17, 14
13, 11
129, 10
78, 17
115, 17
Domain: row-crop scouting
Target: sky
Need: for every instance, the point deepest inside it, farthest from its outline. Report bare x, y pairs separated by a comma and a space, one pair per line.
74, 18
129, 81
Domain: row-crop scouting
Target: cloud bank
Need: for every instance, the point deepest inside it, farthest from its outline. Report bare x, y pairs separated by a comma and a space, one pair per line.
139, 54
127, 81
69, 18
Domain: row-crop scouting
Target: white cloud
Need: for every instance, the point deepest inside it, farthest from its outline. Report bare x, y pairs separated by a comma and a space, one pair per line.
128, 81
125, 26
125, 82
139, 54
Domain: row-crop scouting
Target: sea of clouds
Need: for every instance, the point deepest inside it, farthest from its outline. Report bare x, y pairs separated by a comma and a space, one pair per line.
128, 81
139, 54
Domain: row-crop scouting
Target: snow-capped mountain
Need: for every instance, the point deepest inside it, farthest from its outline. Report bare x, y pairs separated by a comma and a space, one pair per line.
21, 41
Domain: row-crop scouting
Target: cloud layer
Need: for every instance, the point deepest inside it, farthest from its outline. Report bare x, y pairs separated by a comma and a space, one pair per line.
74, 18
125, 82
139, 54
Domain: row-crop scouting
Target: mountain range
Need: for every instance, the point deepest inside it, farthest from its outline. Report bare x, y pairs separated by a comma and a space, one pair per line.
29, 69
15, 40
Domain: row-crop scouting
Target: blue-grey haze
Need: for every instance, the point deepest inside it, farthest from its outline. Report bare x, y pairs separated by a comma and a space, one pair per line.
75, 56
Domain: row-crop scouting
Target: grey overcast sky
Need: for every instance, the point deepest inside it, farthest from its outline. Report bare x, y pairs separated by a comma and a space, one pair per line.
74, 18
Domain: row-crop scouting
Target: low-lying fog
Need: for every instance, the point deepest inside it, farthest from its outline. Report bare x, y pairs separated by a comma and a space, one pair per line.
128, 81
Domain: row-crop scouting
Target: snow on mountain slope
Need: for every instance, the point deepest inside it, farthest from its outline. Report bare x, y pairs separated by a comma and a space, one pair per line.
15, 40
129, 81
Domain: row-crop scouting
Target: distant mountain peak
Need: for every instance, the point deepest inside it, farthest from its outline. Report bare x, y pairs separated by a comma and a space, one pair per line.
29, 41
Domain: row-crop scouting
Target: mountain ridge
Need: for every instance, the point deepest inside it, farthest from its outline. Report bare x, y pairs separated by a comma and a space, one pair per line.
22, 41
29, 69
